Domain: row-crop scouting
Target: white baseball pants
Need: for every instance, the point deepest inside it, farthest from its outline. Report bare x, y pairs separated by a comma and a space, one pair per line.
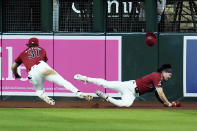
43, 71
126, 88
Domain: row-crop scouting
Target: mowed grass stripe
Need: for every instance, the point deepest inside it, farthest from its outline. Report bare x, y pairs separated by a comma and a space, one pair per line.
44, 119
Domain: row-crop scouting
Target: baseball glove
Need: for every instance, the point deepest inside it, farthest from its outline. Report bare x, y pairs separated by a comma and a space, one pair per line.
176, 104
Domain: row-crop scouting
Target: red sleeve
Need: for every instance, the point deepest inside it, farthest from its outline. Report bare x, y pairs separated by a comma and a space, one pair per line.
19, 60
157, 81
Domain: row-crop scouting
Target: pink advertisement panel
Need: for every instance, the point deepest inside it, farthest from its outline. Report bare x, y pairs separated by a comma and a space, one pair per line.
93, 56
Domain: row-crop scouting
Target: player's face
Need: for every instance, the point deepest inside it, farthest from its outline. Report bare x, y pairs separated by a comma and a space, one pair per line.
166, 76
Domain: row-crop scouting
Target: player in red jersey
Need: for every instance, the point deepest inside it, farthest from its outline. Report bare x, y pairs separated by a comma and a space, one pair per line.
34, 58
131, 89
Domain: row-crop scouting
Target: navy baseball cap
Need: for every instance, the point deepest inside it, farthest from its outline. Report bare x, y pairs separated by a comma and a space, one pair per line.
168, 70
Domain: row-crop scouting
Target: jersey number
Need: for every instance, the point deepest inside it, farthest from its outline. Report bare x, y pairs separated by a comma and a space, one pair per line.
34, 53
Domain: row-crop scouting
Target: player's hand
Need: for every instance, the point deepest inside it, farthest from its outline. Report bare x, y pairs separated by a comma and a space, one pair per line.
17, 76
168, 104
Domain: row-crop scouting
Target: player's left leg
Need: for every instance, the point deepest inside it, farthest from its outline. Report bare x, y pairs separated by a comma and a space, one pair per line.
115, 85
51, 75
57, 79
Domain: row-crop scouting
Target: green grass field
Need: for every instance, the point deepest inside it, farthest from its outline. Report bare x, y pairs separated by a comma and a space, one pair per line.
44, 119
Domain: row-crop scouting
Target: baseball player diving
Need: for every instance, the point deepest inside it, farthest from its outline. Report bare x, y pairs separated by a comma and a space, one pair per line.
34, 59
131, 89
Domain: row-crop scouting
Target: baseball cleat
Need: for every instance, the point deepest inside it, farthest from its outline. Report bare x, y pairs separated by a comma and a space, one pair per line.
48, 100
101, 94
51, 101
84, 96
87, 97
81, 78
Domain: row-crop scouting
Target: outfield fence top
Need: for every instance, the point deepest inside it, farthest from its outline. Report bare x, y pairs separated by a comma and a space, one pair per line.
98, 15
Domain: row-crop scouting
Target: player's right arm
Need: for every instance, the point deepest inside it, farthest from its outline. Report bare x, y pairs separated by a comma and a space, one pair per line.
14, 70
163, 97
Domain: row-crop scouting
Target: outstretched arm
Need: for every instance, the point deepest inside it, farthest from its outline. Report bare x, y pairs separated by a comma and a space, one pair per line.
14, 70
163, 97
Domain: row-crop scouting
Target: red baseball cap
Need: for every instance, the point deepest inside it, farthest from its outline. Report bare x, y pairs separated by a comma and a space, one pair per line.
150, 39
33, 41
